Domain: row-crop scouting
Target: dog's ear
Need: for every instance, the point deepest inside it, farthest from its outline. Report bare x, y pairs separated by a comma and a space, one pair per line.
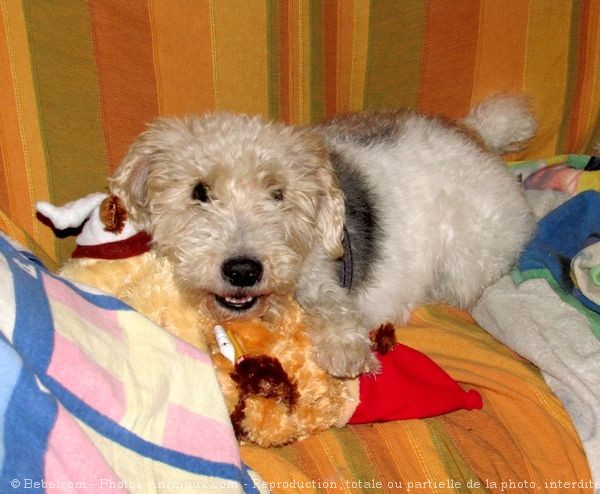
330, 201
330, 219
331, 213
129, 181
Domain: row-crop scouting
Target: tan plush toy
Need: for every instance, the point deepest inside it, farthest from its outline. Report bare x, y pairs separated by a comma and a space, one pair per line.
274, 390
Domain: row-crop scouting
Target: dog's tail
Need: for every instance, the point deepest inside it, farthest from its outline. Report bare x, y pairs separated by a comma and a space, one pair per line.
504, 122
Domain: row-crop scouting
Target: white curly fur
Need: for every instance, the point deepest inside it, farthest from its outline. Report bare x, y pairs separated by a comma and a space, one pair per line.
504, 122
452, 219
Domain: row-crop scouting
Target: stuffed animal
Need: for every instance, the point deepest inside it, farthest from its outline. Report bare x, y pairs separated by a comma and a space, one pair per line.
275, 391
273, 388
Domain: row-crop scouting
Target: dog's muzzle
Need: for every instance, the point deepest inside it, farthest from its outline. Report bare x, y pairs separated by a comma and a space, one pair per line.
242, 273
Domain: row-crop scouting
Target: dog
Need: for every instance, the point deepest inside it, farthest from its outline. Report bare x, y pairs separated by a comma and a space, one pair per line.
362, 218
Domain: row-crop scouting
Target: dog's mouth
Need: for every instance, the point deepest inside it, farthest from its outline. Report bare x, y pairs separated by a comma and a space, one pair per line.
237, 302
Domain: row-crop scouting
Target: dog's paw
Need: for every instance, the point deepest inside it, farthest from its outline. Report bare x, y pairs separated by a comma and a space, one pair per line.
348, 356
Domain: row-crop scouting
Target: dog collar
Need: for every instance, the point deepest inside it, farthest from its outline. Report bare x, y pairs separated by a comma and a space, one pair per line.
346, 262
121, 249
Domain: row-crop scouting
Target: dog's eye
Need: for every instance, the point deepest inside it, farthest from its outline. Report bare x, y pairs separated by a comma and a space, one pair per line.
277, 195
200, 192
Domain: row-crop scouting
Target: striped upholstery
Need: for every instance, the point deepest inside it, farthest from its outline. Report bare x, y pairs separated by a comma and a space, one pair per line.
79, 79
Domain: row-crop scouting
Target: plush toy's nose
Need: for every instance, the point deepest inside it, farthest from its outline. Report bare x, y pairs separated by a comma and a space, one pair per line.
242, 271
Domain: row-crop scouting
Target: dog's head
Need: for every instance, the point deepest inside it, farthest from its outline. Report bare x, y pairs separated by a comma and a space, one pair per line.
236, 203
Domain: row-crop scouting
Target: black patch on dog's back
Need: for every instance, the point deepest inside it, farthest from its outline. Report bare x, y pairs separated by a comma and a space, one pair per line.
369, 127
362, 219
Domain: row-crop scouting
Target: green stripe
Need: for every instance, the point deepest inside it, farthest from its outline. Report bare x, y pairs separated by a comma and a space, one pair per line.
571, 72
457, 469
396, 33
288, 453
66, 83
317, 56
357, 457
40, 253
578, 161
273, 57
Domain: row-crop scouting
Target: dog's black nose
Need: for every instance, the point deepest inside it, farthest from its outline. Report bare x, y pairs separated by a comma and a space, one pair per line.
242, 271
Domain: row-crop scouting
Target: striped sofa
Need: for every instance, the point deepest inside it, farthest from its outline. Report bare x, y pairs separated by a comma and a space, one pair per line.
80, 78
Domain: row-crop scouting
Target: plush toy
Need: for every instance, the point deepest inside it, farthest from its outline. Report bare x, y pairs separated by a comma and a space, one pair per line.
273, 388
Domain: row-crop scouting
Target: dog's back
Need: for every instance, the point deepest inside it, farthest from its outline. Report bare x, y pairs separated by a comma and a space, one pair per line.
432, 212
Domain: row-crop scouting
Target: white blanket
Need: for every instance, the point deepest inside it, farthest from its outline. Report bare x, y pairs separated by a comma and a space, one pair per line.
532, 320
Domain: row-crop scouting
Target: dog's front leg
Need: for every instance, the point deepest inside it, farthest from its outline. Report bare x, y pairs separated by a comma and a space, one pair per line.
339, 333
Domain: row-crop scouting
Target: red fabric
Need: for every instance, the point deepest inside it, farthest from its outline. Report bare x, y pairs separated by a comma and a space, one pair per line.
410, 386
130, 247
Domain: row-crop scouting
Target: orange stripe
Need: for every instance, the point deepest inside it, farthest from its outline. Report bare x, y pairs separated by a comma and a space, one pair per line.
16, 183
318, 462
4, 224
296, 61
594, 131
585, 108
7, 134
7, 226
183, 56
450, 48
22, 146
546, 74
276, 471
124, 59
593, 137
496, 460
500, 58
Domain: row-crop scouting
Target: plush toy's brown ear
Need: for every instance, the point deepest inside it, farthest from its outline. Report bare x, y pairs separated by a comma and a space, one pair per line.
113, 214
260, 375
263, 375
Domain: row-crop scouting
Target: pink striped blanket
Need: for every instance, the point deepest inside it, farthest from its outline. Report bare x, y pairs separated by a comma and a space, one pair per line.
94, 397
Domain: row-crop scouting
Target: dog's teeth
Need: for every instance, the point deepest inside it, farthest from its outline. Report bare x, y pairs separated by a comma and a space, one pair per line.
243, 300
237, 303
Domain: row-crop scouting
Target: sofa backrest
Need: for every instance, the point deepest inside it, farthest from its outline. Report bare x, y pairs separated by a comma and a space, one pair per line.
79, 79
